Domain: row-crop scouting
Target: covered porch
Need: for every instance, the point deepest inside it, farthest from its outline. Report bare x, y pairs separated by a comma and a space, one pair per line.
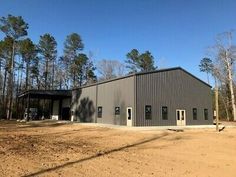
50, 104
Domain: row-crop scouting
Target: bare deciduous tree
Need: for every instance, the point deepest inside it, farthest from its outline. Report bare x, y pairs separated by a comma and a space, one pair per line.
224, 52
109, 69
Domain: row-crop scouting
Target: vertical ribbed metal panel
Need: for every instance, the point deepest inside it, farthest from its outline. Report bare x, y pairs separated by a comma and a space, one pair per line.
88, 94
117, 93
175, 89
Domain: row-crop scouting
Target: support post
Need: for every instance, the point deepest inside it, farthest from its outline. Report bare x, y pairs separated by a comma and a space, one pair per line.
28, 106
51, 111
217, 105
43, 116
60, 109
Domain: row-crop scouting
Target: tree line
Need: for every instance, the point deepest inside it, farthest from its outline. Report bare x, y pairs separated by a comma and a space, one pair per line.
220, 64
27, 65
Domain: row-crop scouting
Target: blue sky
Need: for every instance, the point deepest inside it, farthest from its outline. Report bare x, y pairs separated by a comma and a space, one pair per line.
177, 32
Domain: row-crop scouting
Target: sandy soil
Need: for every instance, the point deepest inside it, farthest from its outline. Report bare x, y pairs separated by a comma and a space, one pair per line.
78, 150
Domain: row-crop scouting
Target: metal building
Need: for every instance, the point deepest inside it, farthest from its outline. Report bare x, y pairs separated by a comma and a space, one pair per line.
165, 97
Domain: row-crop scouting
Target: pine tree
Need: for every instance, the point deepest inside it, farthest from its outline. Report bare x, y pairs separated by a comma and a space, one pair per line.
28, 52
15, 28
48, 50
72, 46
137, 62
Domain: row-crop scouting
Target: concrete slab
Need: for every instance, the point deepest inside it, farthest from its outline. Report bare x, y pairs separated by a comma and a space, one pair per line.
148, 128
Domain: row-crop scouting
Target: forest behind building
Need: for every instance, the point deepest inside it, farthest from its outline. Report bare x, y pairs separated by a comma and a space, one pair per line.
36, 65
29, 65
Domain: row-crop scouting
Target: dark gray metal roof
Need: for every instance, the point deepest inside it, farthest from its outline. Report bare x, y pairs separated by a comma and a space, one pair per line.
46, 94
141, 73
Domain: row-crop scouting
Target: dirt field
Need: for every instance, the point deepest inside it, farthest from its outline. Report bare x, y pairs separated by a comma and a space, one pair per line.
79, 150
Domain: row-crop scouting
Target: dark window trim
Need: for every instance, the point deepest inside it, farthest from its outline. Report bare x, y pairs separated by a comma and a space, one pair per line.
116, 111
99, 112
166, 115
205, 114
194, 115
148, 115
129, 111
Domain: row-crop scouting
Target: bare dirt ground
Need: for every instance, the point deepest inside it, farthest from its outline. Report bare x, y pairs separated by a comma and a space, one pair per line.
50, 149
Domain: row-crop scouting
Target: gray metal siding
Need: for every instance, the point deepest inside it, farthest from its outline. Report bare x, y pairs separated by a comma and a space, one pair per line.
84, 104
118, 93
175, 89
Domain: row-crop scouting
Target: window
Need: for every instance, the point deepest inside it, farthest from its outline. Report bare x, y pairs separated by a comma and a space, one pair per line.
206, 114
99, 112
117, 110
164, 112
194, 113
148, 112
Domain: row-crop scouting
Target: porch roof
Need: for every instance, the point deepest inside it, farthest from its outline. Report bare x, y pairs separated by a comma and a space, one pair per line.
46, 94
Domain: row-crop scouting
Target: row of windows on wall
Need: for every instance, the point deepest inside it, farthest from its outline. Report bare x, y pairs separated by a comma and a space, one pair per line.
164, 113
148, 112
117, 111
195, 115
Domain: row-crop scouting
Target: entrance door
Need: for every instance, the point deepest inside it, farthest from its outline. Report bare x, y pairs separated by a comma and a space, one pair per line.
65, 115
129, 116
180, 117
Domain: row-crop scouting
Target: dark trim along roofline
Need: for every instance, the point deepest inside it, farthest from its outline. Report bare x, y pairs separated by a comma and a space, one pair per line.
103, 82
45, 92
196, 77
175, 68
141, 73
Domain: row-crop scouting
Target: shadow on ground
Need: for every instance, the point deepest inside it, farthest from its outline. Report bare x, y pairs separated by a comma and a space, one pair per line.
13, 124
97, 155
